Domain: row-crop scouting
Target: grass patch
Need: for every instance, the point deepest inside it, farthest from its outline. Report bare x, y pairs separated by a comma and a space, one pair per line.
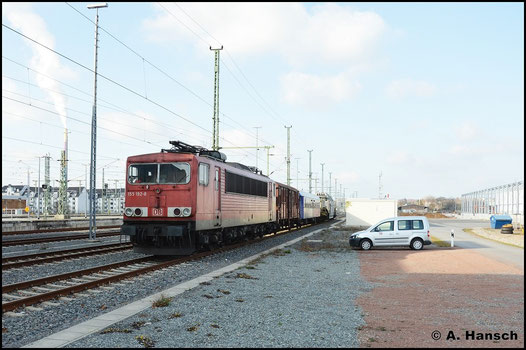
439, 242
162, 301
278, 252
138, 324
193, 328
175, 315
145, 341
223, 291
115, 330
317, 246
246, 276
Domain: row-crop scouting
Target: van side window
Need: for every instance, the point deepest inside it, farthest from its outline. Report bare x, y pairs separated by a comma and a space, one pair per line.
418, 225
386, 226
404, 224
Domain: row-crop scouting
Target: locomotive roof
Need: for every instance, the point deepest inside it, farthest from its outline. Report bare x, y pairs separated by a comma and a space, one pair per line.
169, 156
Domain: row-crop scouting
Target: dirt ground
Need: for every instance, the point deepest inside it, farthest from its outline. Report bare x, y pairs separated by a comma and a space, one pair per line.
418, 293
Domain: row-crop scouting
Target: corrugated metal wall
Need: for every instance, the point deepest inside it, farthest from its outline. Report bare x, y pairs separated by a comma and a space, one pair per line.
506, 199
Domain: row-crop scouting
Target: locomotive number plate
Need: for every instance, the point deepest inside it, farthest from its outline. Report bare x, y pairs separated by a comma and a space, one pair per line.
157, 212
136, 194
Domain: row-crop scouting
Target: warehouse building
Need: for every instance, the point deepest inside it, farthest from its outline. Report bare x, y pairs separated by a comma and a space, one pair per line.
501, 200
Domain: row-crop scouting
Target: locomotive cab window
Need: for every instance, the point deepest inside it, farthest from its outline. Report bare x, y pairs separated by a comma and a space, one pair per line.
166, 173
142, 173
174, 173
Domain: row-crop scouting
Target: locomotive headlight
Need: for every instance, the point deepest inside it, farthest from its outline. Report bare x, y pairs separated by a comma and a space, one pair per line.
128, 212
187, 211
177, 211
138, 211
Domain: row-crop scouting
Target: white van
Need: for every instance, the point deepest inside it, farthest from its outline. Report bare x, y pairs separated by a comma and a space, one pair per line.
412, 231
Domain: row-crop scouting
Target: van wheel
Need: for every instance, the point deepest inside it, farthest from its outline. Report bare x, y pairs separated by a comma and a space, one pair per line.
417, 244
365, 244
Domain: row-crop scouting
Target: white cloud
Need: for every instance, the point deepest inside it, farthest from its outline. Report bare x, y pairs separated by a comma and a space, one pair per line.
409, 87
317, 91
331, 32
21, 17
400, 158
467, 130
464, 150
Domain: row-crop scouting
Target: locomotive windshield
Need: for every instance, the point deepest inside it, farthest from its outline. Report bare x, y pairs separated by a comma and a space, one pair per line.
165, 173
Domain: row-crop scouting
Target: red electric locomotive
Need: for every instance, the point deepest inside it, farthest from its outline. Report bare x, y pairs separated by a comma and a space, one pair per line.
188, 198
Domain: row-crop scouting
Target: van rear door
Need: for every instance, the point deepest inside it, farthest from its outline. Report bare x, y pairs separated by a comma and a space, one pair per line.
419, 228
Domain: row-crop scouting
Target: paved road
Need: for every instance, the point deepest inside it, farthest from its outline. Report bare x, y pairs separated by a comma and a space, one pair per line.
441, 229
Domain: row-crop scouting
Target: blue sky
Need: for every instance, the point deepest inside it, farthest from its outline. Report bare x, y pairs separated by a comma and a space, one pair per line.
430, 95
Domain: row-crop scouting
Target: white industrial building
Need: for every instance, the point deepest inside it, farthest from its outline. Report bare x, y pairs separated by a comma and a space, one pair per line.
501, 200
367, 212
78, 202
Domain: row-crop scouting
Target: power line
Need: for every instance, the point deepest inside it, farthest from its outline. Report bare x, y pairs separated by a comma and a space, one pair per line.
70, 109
229, 55
273, 114
208, 44
43, 144
110, 80
117, 108
156, 67
80, 121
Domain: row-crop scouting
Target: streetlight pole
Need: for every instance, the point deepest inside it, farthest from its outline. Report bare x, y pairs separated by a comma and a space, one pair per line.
310, 171
288, 154
38, 196
86, 189
93, 183
322, 164
257, 149
298, 173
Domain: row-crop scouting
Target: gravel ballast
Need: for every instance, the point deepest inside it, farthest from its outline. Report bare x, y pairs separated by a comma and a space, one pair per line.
299, 296
35, 325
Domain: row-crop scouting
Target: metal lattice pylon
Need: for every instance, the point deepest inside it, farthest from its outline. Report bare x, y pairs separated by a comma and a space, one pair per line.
63, 189
47, 190
215, 134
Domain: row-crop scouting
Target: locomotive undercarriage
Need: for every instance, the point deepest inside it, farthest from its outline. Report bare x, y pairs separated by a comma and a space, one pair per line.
183, 239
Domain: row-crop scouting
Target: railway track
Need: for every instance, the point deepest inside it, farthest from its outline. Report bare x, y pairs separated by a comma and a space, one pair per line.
59, 255
27, 232
43, 289
55, 239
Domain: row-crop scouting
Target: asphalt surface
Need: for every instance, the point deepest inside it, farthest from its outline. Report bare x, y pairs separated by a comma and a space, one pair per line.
441, 229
